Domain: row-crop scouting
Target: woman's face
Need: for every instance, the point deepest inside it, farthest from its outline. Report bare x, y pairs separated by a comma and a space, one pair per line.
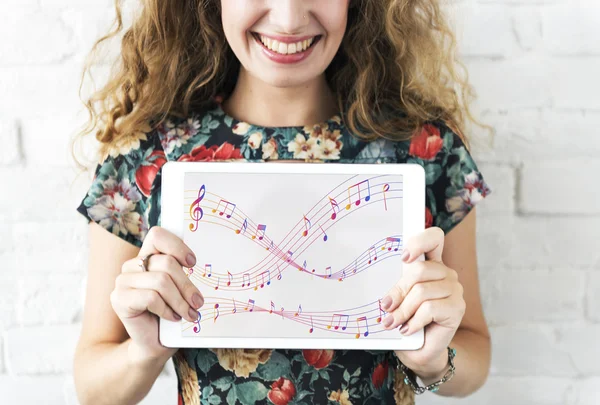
299, 37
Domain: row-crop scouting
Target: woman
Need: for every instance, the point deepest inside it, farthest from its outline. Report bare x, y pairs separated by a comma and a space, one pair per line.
361, 81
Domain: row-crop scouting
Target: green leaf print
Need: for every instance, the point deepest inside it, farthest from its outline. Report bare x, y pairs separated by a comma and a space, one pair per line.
448, 140
223, 383
250, 392
432, 173
205, 359
231, 397
277, 366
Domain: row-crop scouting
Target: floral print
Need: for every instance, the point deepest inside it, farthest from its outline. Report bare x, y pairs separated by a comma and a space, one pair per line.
124, 198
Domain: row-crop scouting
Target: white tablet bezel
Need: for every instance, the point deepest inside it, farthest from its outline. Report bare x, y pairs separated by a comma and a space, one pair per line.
173, 174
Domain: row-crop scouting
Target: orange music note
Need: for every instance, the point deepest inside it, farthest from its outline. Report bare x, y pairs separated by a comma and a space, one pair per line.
334, 207
250, 301
196, 212
357, 185
227, 205
299, 310
386, 188
362, 318
216, 312
339, 317
262, 228
244, 227
197, 326
307, 225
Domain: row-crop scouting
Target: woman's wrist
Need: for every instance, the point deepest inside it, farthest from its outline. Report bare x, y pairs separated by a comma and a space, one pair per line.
433, 371
140, 356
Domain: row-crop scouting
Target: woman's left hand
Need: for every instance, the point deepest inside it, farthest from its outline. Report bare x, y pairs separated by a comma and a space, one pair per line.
428, 295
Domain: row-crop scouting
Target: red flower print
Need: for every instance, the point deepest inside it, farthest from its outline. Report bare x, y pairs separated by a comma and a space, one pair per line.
146, 173
317, 358
282, 391
380, 374
179, 399
215, 152
427, 143
428, 218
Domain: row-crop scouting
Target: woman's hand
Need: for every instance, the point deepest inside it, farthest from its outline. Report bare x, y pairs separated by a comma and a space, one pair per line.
140, 297
428, 296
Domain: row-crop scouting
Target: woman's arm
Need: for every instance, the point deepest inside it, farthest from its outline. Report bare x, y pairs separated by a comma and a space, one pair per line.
472, 339
107, 370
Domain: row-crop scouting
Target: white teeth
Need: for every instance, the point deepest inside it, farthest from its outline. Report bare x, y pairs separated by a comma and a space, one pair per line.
283, 48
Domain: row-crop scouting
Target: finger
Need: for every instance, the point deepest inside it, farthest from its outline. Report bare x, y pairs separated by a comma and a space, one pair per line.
168, 264
129, 303
440, 311
430, 242
413, 273
419, 293
159, 240
162, 283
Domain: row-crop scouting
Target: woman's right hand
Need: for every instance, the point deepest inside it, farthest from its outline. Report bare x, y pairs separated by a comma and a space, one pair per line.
140, 297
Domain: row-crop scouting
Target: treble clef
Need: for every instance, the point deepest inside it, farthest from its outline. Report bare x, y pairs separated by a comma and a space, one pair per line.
195, 210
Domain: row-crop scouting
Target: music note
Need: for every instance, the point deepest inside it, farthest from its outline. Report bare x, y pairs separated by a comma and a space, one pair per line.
354, 271
362, 318
209, 267
271, 246
393, 241
234, 310
334, 206
197, 326
373, 249
262, 228
290, 253
272, 308
216, 312
250, 301
196, 212
299, 310
381, 313
230, 277
307, 225
328, 268
218, 281
343, 275
339, 316
244, 279
312, 327
386, 188
190, 271
227, 205
324, 234
357, 185
281, 312
303, 266
244, 227
279, 275
263, 280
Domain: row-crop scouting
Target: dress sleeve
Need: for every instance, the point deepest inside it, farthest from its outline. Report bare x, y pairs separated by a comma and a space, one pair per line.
122, 194
454, 184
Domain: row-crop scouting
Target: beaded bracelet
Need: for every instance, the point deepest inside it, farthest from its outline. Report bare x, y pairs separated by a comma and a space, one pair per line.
410, 377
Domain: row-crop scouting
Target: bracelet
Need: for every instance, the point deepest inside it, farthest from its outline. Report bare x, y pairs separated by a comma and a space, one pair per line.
410, 377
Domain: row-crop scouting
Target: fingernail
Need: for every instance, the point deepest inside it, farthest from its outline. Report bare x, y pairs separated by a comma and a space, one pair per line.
405, 255
176, 316
404, 329
193, 314
387, 301
197, 300
387, 321
191, 259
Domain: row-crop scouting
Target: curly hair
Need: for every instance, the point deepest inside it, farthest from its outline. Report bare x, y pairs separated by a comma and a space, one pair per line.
394, 71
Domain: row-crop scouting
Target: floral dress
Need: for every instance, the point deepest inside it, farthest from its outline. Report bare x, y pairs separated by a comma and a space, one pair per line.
124, 198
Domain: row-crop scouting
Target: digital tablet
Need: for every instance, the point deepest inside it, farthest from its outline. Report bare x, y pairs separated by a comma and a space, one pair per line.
292, 255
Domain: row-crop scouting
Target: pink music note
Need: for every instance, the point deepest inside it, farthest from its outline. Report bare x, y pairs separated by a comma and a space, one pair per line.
339, 318
197, 327
334, 207
328, 268
299, 310
209, 268
190, 271
373, 249
393, 241
244, 227
324, 234
343, 276
312, 327
230, 277
272, 308
250, 301
290, 253
216, 312
244, 280
362, 318
196, 212
234, 310
386, 188
218, 281
357, 185
307, 225
262, 228
381, 313
227, 205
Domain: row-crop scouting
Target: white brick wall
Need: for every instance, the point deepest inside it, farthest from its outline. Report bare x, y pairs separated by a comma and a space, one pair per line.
534, 64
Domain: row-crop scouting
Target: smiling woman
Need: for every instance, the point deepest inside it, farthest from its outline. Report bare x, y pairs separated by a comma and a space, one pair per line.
355, 81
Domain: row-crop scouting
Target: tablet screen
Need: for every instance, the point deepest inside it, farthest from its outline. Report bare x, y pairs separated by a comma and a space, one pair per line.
283, 255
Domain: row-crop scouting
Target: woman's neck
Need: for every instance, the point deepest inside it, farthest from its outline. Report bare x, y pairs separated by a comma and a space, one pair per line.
259, 103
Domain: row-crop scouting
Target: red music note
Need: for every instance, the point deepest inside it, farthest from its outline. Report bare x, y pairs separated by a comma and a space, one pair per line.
362, 318
196, 212
244, 227
357, 185
197, 326
262, 228
373, 249
386, 188
230, 277
218, 281
227, 205
312, 327
339, 317
334, 206
393, 241
307, 225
